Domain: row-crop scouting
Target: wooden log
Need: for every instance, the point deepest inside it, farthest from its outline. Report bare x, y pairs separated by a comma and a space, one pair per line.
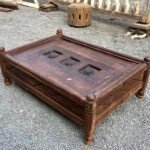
79, 15
10, 5
5, 9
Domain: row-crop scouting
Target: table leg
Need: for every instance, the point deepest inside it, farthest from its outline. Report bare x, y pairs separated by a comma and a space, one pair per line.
90, 121
141, 92
7, 79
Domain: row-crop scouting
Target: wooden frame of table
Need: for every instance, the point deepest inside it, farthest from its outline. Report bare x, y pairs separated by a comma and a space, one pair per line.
86, 95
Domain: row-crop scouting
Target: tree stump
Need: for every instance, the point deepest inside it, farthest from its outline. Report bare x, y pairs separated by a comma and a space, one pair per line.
79, 15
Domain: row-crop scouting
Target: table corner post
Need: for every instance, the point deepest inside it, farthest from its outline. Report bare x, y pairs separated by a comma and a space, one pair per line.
59, 32
3, 65
141, 92
90, 118
2, 54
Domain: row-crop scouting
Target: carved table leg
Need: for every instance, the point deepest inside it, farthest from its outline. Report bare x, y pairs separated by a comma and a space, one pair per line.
90, 120
7, 80
141, 92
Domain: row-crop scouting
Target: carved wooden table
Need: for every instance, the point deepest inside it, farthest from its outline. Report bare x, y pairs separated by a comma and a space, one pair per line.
82, 81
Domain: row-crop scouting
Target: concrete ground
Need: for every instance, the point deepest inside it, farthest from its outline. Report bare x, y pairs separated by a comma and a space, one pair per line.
26, 123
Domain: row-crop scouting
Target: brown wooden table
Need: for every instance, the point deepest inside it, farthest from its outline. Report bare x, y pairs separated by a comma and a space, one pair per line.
82, 81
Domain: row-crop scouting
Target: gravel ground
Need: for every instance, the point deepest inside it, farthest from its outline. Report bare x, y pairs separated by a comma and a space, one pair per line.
28, 124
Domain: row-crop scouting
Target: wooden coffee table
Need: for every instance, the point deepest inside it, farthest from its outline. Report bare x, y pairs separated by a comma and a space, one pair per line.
82, 81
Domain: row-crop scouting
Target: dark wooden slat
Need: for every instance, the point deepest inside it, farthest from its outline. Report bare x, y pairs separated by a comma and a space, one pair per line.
47, 100
41, 79
117, 101
103, 50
